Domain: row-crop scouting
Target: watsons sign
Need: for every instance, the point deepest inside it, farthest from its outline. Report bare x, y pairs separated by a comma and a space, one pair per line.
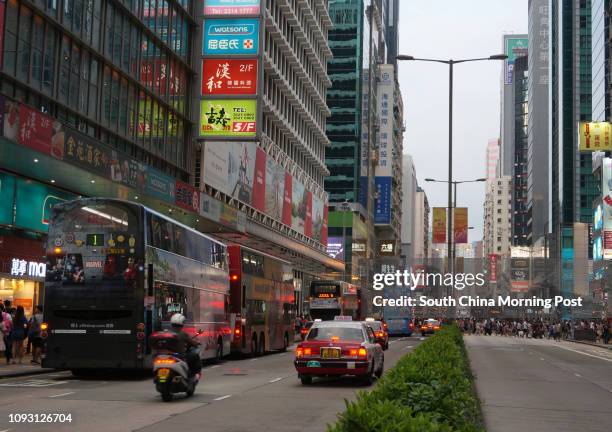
238, 36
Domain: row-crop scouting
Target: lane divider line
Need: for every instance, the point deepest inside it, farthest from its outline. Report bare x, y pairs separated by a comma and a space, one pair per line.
275, 380
577, 374
215, 366
583, 353
61, 394
222, 397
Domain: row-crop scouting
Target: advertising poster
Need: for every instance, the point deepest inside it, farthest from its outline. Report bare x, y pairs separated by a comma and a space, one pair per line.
298, 206
228, 117
241, 170
460, 224
10, 124
595, 136
605, 240
236, 36
317, 218
519, 274
308, 220
275, 189
288, 199
439, 225
187, 197
324, 232
229, 76
35, 129
515, 47
160, 185
215, 170
335, 248
258, 200
231, 7
382, 205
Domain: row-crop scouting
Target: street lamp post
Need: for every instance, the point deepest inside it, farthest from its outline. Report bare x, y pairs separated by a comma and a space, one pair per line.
450, 64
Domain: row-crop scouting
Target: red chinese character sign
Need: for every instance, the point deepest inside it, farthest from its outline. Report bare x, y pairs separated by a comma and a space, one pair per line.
229, 77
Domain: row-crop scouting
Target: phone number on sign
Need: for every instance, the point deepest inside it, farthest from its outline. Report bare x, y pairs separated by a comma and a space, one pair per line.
40, 418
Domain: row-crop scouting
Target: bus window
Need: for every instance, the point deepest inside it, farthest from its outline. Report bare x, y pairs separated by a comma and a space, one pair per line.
170, 299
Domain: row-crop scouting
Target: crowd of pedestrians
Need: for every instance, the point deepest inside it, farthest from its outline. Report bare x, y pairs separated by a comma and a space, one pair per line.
537, 328
16, 329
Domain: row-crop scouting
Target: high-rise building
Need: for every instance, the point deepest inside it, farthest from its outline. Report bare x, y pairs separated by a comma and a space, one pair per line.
498, 216
538, 153
600, 60
409, 204
492, 158
393, 32
514, 46
421, 226
520, 232
218, 120
573, 187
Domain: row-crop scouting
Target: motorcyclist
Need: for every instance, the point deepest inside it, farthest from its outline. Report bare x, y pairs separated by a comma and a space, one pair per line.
187, 346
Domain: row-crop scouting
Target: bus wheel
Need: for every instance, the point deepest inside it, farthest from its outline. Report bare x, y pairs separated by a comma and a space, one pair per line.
254, 345
262, 344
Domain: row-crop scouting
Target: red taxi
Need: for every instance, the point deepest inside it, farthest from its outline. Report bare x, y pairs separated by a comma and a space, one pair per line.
380, 332
334, 348
430, 326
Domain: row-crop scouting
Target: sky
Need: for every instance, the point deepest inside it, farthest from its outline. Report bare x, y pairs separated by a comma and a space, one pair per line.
454, 29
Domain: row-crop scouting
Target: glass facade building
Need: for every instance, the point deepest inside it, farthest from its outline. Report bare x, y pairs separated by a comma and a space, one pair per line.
520, 226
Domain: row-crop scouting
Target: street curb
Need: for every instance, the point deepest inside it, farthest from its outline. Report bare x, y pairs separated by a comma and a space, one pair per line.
26, 373
609, 347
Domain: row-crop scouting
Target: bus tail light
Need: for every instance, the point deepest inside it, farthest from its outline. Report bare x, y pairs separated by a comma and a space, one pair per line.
234, 277
44, 328
237, 331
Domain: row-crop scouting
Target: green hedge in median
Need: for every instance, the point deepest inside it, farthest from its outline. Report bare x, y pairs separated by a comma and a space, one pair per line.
428, 390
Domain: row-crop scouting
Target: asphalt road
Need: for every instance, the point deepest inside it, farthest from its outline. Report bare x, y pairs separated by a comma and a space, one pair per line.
261, 394
541, 385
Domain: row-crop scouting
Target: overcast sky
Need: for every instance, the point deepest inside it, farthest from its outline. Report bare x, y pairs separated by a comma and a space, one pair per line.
454, 29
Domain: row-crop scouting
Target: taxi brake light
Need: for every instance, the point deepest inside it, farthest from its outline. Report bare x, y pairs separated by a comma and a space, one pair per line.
335, 338
436, 327
299, 352
307, 351
353, 352
237, 331
57, 250
362, 352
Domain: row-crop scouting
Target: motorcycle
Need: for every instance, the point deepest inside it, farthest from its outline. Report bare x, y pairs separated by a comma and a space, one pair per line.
171, 370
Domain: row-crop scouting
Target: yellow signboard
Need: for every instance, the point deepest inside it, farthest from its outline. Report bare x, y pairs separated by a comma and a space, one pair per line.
595, 136
439, 225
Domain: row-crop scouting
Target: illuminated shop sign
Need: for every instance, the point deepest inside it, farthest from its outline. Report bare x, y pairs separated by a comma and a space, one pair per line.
21, 267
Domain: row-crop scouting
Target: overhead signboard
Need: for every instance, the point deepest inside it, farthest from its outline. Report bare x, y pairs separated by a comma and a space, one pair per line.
231, 7
229, 77
228, 118
236, 36
594, 136
515, 48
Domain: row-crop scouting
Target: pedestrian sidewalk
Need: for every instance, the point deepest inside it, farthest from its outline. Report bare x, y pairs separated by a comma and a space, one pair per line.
15, 370
600, 345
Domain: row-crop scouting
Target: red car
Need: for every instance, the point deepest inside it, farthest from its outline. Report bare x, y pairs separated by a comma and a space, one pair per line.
304, 330
380, 333
334, 348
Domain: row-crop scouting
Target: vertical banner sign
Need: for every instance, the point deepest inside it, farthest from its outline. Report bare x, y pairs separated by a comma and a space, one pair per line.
239, 36
384, 171
324, 230
308, 221
231, 7
439, 225
2, 9
493, 267
460, 224
229, 76
382, 209
515, 47
605, 243
258, 200
594, 136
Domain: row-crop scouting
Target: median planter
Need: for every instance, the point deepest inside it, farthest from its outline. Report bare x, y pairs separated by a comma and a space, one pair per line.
428, 390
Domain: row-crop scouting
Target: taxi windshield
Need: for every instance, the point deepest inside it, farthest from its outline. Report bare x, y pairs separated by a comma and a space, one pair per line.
336, 333
374, 325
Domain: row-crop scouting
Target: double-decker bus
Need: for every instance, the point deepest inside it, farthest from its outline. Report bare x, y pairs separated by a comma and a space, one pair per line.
262, 301
116, 272
329, 298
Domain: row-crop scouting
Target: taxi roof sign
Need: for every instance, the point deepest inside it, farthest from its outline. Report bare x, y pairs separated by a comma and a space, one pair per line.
343, 318
370, 319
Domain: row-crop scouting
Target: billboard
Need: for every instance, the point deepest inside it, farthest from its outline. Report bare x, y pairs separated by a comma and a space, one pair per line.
382, 204
606, 210
493, 258
335, 248
275, 189
236, 36
231, 7
439, 225
228, 117
299, 199
594, 136
519, 274
229, 76
460, 224
318, 221
515, 47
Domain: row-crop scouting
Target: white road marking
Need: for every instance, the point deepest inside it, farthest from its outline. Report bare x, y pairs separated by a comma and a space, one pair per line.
5, 430
407, 347
61, 394
33, 383
541, 358
275, 380
255, 359
583, 353
282, 354
222, 397
215, 366
577, 374
422, 338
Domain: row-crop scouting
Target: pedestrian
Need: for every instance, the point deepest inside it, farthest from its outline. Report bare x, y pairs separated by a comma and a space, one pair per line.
606, 334
6, 322
20, 325
34, 333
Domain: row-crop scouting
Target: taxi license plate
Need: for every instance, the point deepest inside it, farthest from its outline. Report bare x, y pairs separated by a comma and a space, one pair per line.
313, 363
162, 374
330, 353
